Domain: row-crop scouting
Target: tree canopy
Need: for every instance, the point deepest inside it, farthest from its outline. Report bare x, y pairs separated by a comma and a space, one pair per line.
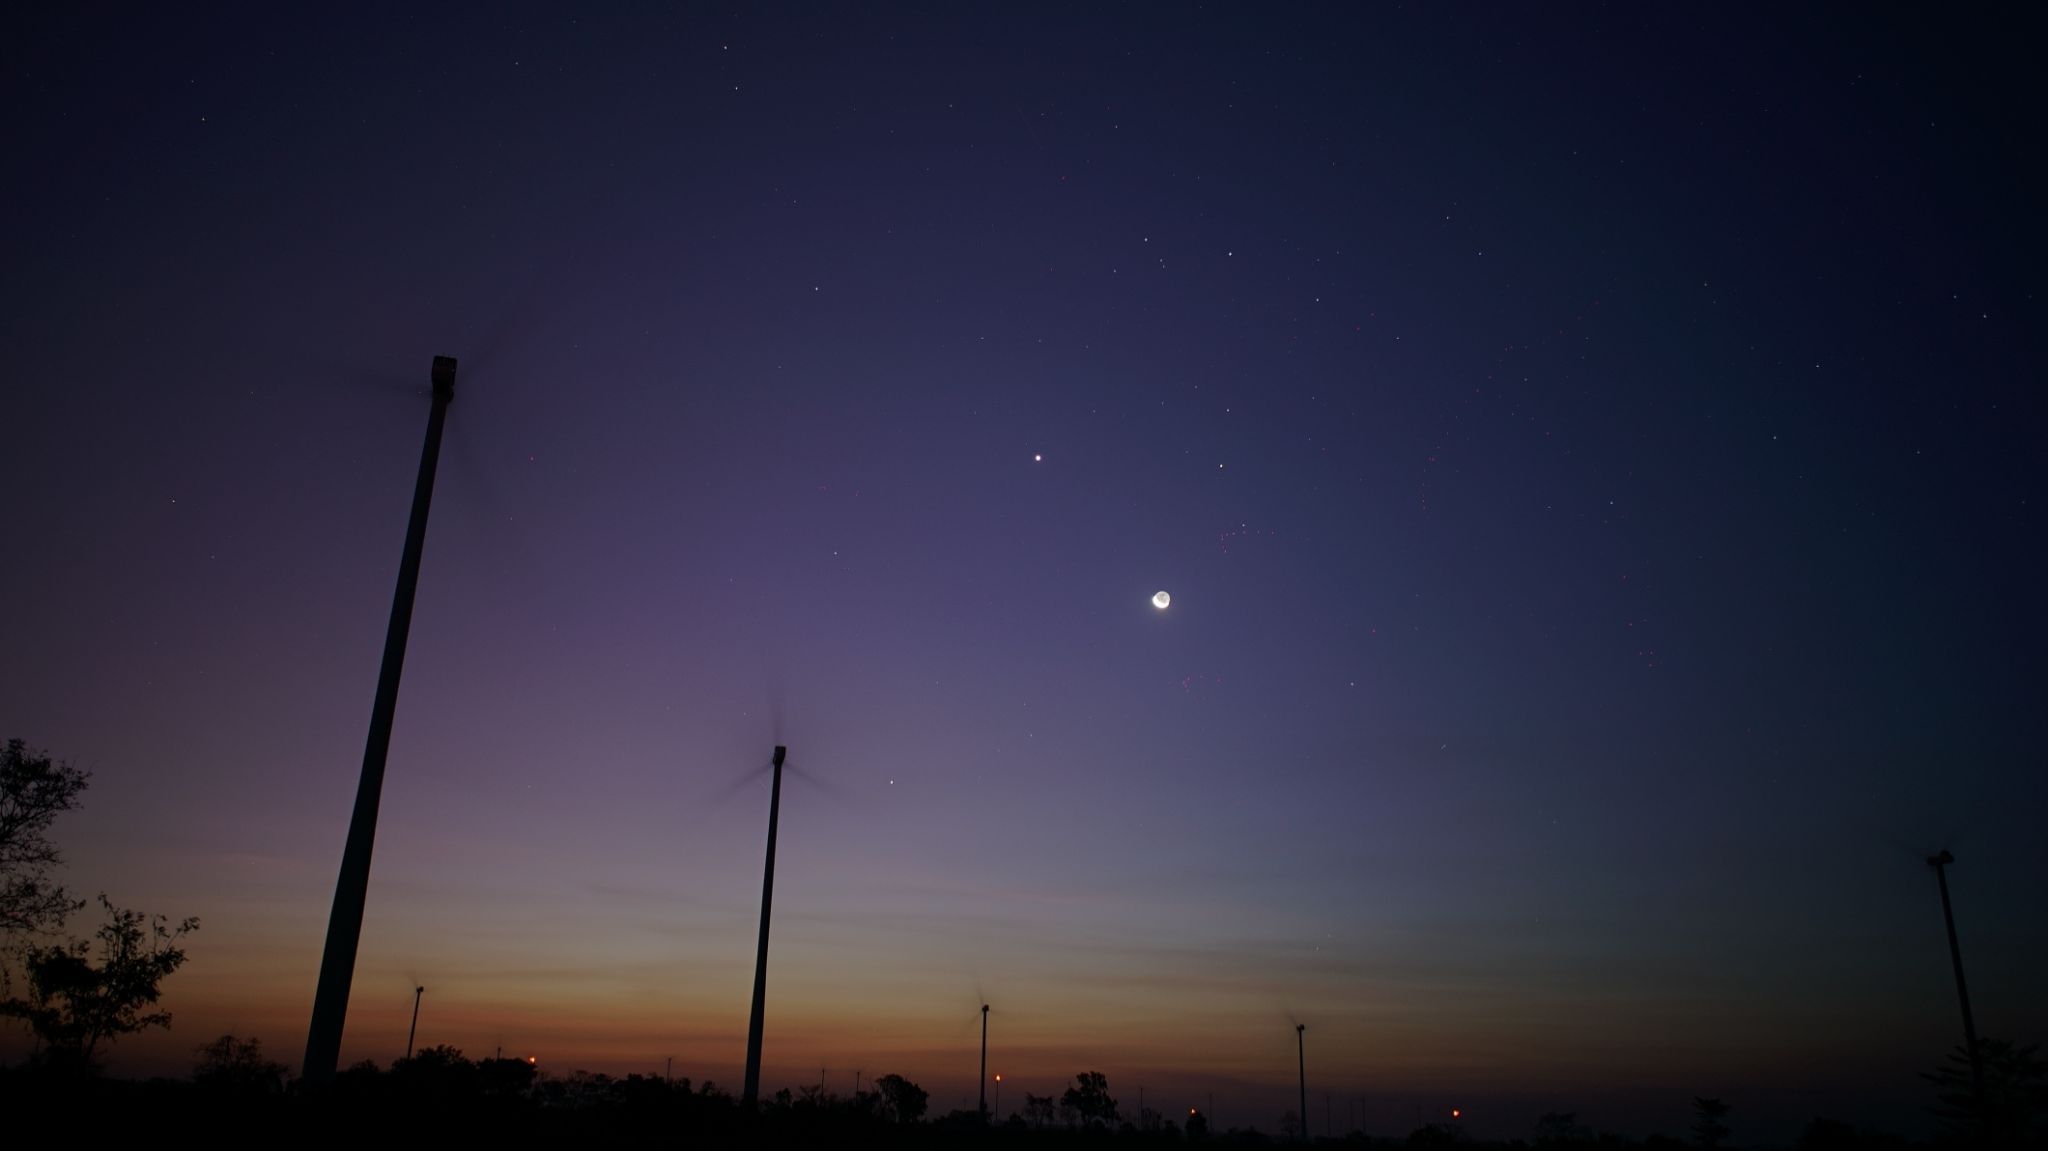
1088, 1099
74, 1003
237, 1065
905, 1100
34, 790
2013, 1098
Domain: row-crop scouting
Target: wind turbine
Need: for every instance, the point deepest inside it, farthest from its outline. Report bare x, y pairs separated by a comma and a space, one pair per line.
414, 1030
345, 920
751, 1091
1955, 957
1301, 1056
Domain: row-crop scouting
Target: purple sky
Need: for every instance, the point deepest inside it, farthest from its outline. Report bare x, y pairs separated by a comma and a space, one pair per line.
1594, 456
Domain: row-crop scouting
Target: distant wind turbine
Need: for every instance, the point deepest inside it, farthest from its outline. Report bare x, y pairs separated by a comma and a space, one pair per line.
415, 1028
981, 1107
751, 1091
1955, 956
1301, 1056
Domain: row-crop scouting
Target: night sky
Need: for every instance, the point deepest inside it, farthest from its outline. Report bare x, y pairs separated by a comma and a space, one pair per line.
1593, 452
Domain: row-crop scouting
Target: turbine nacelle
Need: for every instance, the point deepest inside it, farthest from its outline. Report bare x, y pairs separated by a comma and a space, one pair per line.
444, 377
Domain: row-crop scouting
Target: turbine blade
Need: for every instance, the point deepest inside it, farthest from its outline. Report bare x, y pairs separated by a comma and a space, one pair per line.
832, 791
733, 789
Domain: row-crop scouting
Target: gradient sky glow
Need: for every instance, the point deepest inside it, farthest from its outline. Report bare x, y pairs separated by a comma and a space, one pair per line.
1594, 455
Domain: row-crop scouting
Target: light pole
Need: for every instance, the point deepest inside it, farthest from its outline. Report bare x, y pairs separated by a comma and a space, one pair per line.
999, 1097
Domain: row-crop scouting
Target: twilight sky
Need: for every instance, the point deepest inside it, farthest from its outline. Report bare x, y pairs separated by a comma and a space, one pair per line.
1594, 455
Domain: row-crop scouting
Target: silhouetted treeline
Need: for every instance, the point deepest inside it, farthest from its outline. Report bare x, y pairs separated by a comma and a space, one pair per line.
234, 1088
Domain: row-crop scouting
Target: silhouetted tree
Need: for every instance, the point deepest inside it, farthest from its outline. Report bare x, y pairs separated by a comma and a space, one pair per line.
1707, 1125
502, 1076
440, 1073
1198, 1126
1038, 1110
1433, 1135
34, 790
646, 1092
586, 1089
1089, 1099
961, 1119
237, 1065
74, 1004
1290, 1125
2014, 1097
1830, 1135
1561, 1129
904, 1100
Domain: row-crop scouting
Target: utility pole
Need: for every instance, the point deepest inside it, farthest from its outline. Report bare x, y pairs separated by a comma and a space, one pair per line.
982, 1079
753, 1085
1301, 1055
415, 1029
345, 920
1955, 957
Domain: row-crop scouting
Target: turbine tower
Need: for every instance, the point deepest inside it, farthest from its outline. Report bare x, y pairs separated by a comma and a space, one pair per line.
415, 1028
345, 920
753, 1086
1955, 957
1301, 1056
981, 1107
